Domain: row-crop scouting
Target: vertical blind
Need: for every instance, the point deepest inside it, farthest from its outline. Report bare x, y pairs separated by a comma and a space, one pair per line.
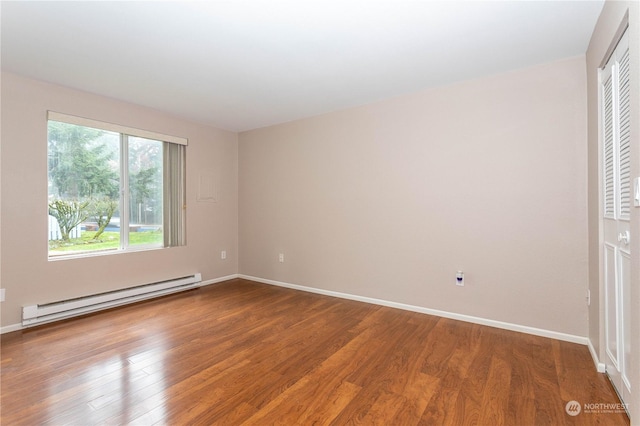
174, 209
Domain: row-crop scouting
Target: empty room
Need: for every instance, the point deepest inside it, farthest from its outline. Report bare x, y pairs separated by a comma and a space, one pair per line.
318, 212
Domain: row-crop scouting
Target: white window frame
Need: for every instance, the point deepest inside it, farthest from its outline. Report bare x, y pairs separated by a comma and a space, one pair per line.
125, 132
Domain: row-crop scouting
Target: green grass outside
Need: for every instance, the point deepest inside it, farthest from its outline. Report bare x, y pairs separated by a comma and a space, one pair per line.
106, 241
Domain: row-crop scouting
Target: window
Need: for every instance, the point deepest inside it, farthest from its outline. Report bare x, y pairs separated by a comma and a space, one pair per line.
112, 188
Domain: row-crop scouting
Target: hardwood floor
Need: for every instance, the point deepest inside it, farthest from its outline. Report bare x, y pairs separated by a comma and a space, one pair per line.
246, 353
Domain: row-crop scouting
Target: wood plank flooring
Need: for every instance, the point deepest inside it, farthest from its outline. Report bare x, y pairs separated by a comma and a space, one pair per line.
240, 352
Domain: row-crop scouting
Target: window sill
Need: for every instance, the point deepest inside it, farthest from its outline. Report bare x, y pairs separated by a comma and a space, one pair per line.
107, 252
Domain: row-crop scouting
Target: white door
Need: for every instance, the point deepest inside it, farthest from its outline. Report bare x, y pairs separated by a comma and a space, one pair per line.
616, 190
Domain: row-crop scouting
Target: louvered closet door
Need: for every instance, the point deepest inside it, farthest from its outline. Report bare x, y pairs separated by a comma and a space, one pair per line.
616, 190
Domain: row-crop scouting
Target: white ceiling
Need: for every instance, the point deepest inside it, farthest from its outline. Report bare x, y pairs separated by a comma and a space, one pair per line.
245, 64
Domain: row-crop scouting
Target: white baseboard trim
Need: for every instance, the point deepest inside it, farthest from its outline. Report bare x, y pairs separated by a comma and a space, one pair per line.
600, 366
18, 327
219, 280
461, 317
10, 328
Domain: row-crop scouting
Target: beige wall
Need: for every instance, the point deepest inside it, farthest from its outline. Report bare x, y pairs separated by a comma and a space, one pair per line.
609, 24
388, 200
26, 273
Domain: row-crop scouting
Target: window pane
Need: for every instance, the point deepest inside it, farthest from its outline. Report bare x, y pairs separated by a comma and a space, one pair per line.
145, 192
83, 172
110, 191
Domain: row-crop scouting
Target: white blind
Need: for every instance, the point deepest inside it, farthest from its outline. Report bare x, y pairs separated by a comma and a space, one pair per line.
174, 195
87, 122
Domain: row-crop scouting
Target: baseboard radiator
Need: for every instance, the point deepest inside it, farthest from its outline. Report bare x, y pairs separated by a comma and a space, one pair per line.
40, 314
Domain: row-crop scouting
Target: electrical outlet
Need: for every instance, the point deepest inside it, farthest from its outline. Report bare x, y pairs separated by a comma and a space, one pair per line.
223, 254
281, 258
1, 294
460, 278
588, 297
